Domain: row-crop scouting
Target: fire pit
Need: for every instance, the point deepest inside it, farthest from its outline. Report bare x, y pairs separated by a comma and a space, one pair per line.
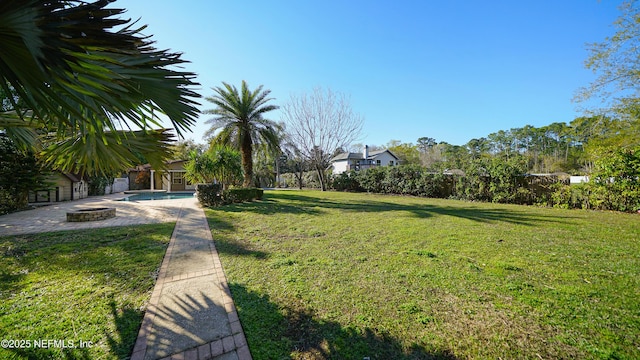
92, 214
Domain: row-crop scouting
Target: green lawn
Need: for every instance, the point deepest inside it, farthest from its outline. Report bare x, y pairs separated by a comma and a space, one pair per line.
72, 286
346, 276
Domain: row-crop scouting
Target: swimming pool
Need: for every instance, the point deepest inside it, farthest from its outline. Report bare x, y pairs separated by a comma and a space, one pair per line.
157, 196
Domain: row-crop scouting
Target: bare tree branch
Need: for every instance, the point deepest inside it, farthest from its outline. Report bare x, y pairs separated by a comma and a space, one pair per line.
319, 124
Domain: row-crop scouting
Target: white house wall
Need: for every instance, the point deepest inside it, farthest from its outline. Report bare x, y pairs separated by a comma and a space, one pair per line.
340, 166
119, 185
385, 159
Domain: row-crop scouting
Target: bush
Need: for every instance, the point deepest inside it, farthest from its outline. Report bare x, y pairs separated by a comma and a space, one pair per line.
404, 180
616, 180
8, 202
97, 184
346, 181
241, 195
309, 179
20, 173
371, 180
212, 195
614, 185
209, 194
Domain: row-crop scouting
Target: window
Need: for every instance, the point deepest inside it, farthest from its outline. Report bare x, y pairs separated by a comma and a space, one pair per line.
378, 162
391, 163
177, 178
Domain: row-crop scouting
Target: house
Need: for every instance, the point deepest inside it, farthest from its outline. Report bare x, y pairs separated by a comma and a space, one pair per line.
64, 187
360, 161
578, 179
171, 178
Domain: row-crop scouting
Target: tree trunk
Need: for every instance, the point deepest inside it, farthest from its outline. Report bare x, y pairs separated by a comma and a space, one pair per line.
323, 181
247, 160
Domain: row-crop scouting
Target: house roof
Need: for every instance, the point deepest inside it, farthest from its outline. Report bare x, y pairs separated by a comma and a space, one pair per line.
347, 156
175, 161
73, 177
374, 154
358, 155
146, 167
140, 168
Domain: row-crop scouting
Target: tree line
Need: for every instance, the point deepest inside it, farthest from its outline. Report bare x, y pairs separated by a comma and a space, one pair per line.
558, 147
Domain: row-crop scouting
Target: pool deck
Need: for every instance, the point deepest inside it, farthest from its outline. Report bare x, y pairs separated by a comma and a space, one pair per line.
54, 217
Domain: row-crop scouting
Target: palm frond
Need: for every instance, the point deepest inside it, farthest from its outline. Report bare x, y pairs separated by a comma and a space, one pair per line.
64, 61
108, 152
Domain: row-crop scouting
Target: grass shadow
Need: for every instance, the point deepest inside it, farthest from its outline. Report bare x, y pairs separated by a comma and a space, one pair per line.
296, 203
276, 331
127, 322
270, 205
235, 248
225, 244
56, 353
105, 261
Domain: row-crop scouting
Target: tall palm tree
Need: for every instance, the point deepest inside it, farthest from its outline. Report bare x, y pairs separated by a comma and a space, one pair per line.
239, 117
82, 86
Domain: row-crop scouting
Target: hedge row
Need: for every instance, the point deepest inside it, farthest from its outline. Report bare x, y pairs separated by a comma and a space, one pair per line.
491, 182
595, 196
213, 195
403, 180
500, 182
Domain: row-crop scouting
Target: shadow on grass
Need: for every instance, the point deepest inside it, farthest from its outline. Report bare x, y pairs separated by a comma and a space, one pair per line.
127, 323
83, 254
285, 331
292, 203
55, 353
226, 244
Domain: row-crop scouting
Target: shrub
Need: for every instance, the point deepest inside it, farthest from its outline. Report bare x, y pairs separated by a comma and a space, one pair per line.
20, 172
97, 184
309, 179
561, 196
404, 179
213, 195
209, 194
346, 181
8, 202
616, 180
241, 195
371, 180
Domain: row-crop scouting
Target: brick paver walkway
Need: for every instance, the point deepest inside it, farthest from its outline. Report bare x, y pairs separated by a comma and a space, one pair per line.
191, 314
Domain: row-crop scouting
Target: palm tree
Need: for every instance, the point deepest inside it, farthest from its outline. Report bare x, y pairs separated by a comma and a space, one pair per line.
79, 87
240, 121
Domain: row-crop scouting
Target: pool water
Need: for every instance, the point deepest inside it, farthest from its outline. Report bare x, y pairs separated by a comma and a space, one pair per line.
157, 196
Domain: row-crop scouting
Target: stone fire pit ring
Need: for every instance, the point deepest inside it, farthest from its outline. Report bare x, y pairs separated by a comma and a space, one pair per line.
91, 214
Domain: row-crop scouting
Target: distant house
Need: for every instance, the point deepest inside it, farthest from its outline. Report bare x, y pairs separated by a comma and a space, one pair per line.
578, 179
64, 187
172, 178
360, 161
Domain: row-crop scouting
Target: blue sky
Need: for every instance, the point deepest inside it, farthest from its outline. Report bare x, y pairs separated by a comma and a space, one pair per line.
450, 70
